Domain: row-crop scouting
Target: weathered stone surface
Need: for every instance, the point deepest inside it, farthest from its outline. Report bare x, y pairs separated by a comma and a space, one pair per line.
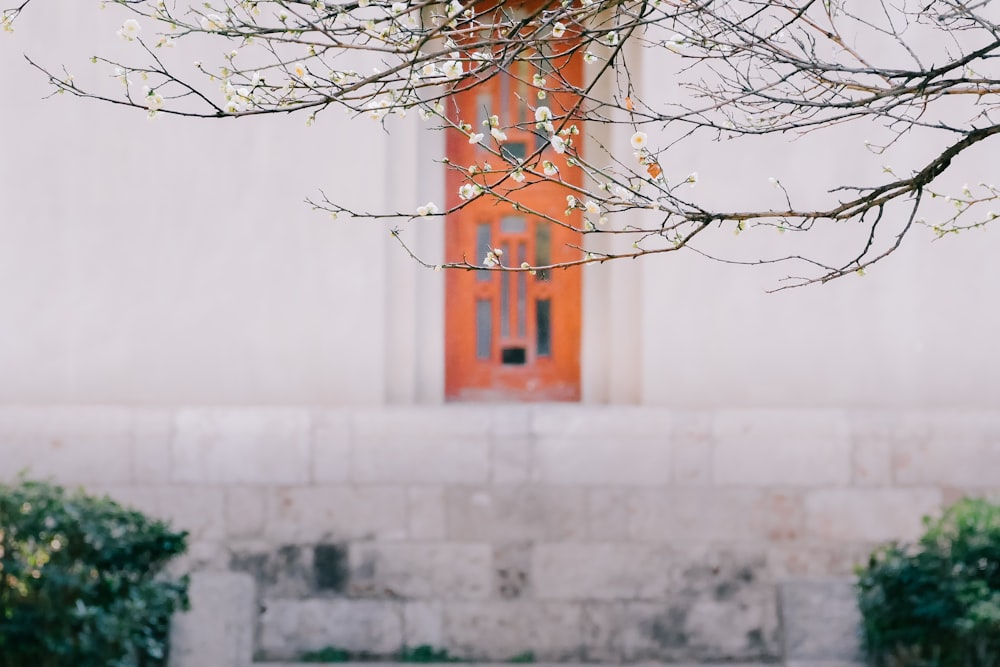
868, 515
510, 459
811, 560
415, 458
426, 519
423, 623
781, 448
820, 620
152, 433
512, 570
69, 445
285, 571
602, 571
679, 630
198, 510
201, 556
218, 630
336, 513
332, 438
692, 443
938, 457
241, 446
621, 421
709, 513
246, 508
513, 420
439, 571
331, 567
694, 514
871, 438
287, 628
609, 513
871, 461
511, 513
502, 630
467, 421
606, 460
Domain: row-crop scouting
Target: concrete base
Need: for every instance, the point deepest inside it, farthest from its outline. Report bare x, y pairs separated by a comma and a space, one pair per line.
218, 630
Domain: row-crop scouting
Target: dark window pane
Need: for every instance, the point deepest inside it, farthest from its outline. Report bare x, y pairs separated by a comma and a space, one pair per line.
505, 279
483, 246
513, 224
523, 77
484, 328
543, 62
522, 292
504, 97
515, 151
543, 247
514, 356
541, 141
484, 109
543, 325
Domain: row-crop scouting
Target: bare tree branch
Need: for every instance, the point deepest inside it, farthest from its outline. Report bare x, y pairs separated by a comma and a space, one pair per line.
921, 72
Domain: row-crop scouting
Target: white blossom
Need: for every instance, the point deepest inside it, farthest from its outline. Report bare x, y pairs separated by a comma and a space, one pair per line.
377, 109
154, 101
492, 257
639, 140
558, 29
621, 192
469, 191
543, 114
549, 169
558, 143
675, 43
212, 23
592, 207
475, 137
130, 30
430, 208
498, 134
453, 69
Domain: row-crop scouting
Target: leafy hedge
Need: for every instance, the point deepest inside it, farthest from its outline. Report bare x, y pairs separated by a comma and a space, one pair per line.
82, 581
937, 603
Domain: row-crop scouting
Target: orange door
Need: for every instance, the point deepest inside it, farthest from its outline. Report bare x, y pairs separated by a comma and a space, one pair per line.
513, 335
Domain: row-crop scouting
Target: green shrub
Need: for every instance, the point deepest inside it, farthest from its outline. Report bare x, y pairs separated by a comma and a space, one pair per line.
423, 654
426, 654
937, 603
81, 581
328, 654
525, 658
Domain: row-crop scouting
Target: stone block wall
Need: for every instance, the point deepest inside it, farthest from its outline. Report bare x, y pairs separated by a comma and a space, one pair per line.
573, 532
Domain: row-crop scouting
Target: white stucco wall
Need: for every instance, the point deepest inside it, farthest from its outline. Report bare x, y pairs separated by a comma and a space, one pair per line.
916, 330
173, 262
